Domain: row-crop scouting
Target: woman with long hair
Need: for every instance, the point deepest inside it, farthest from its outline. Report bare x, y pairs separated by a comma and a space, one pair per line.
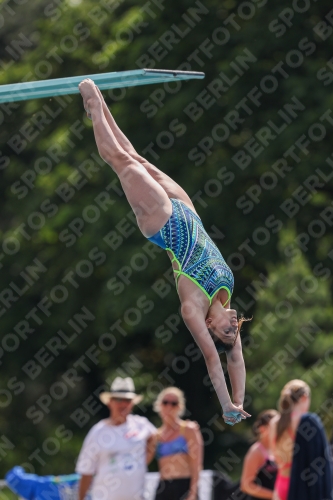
259, 468
294, 402
166, 216
179, 448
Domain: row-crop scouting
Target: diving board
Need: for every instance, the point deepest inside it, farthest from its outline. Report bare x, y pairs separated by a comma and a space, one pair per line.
116, 80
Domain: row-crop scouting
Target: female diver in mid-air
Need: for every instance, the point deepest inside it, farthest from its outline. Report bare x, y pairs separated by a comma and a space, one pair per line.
166, 216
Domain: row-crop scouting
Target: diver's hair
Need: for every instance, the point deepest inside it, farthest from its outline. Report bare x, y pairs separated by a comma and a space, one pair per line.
241, 320
176, 392
290, 395
223, 346
262, 419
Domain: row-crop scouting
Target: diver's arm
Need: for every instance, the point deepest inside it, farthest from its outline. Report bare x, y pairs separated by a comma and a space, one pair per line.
197, 326
237, 373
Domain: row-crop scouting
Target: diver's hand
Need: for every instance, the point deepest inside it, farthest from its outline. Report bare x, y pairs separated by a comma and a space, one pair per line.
233, 414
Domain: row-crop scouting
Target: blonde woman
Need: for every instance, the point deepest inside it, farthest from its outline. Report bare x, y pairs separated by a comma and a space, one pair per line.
179, 448
294, 402
259, 468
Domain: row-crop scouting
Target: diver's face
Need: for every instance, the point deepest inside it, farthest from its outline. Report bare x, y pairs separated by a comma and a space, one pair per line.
224, 325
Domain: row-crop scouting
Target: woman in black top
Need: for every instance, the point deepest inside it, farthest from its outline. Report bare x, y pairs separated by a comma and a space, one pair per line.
259, 469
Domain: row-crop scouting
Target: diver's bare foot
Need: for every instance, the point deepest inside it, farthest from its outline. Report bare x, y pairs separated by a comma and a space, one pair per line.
90, 94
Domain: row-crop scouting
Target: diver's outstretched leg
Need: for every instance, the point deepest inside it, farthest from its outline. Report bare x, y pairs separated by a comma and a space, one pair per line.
171, 187
147, 198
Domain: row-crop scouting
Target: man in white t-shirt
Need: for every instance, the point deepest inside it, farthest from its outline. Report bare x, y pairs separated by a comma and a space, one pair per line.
115, 452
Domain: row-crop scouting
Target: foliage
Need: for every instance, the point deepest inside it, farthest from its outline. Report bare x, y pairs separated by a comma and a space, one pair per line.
245, 207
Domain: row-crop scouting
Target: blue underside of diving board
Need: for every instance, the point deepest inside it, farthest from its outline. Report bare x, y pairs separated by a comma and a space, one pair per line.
116, 80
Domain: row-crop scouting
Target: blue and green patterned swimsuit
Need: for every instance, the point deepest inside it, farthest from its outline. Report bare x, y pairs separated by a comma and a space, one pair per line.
196, 254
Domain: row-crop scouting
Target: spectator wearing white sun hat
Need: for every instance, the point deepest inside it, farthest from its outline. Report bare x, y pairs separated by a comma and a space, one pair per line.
114, 456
